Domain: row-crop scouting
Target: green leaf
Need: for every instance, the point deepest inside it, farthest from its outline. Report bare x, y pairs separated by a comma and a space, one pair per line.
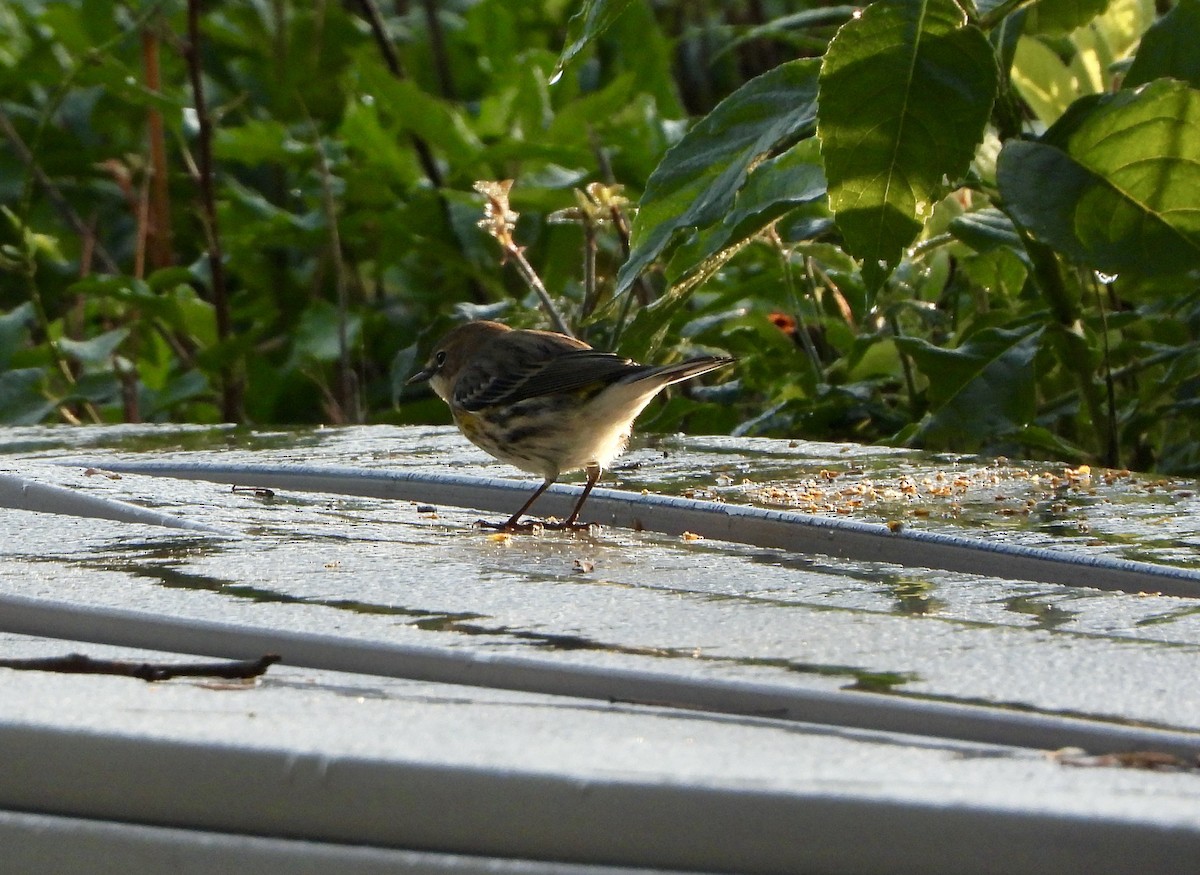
698, 179
94, 351
772, 190
317, 336
14, 331
260, 141
1062, 16
404, 365
906, 92
592, 19
985, 230
434, 121
1170, 48
988, 230
22, 400
1114, 184
1044, 81
983, 389
184, 387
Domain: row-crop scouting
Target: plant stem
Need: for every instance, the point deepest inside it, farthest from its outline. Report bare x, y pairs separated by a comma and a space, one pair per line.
25, 154
999, 13
589, 267
231, 387
424, 154
347, 396
160, 203
1112, 449
535, 282
437, 46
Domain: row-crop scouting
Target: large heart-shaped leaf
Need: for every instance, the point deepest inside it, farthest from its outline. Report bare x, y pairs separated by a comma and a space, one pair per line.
1114, 184
1170, 48
906, 91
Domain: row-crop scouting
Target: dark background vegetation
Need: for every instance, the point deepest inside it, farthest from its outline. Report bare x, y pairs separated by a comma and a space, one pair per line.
985, 236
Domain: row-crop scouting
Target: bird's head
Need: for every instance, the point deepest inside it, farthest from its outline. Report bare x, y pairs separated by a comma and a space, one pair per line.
452, 352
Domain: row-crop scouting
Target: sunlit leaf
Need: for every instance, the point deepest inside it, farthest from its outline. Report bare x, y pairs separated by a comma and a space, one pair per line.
772, 189
698, 179
1170, 48
1044, 81
1115, 185
1062, 16
906, 91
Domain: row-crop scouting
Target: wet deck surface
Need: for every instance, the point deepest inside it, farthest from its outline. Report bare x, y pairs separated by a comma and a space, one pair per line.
602, 783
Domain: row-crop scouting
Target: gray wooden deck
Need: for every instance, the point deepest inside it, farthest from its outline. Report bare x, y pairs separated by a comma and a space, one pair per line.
450, 701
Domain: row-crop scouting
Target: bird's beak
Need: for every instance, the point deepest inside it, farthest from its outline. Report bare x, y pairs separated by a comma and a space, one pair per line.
421, 376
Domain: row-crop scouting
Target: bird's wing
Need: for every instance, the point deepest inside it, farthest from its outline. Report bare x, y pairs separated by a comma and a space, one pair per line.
561, 371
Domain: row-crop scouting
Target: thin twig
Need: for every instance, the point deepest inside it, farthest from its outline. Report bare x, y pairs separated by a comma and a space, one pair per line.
642, 287
590, 290
231, 394
1112, 449
499, 220
424, 154
437, 46
160, 201
535, 282
346, 396
77, 663
142, 223
56, 197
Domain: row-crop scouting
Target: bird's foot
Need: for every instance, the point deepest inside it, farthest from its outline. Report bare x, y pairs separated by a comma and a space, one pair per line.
510, 527
568, 526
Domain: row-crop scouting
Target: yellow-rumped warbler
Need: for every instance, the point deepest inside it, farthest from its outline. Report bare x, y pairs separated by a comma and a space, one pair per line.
544, 402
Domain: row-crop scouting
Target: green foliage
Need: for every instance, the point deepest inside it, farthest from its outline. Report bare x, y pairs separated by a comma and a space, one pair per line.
1126, 170
893, 216
697, 181
1168, 49
906, 91
982, 388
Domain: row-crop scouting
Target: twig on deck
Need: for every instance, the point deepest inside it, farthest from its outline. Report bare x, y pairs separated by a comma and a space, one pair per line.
77, 663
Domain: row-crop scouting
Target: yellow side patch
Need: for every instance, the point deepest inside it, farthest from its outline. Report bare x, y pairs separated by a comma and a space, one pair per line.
468, 423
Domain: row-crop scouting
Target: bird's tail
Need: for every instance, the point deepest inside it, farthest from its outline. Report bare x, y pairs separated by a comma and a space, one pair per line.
665, 375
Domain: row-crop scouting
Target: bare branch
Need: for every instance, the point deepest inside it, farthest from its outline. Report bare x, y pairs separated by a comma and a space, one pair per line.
231, 389
77, 663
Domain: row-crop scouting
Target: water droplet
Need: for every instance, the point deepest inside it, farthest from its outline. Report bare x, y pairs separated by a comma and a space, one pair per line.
556, 74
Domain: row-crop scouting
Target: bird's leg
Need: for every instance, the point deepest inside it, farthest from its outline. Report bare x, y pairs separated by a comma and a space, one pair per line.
513, 523
593, 474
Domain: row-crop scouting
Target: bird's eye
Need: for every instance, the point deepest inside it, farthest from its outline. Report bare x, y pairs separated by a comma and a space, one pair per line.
440, 358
